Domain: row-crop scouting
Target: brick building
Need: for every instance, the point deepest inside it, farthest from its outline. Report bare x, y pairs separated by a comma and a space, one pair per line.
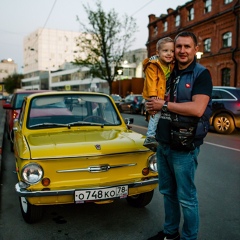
217, 26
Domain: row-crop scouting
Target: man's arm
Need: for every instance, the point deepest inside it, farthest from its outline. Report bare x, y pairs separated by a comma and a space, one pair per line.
202, 92
194, 108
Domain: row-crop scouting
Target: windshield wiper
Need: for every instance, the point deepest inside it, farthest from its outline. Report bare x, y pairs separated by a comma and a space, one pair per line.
82, 123
49, 125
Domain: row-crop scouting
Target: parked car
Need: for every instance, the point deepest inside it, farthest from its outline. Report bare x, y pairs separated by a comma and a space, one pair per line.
143, 107
117, 99
75, 147
13, 106
226, 109
132, 103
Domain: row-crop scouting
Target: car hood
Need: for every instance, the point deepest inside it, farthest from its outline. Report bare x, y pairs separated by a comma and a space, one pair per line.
82, 143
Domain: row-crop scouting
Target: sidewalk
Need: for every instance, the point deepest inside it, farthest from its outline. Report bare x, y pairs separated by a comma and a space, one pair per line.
2, 123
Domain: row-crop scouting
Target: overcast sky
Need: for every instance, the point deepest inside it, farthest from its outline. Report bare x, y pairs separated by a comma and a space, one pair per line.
19, 18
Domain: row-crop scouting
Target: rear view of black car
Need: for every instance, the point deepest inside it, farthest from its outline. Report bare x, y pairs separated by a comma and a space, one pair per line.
226, 109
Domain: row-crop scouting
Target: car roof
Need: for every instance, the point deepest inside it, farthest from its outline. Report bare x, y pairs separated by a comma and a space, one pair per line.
29, 91
226, 87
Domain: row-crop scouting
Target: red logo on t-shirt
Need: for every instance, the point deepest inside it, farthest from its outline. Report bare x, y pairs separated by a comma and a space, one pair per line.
188, 85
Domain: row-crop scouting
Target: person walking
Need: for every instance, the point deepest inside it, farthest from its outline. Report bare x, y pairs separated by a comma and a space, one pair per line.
157, 69
182, 126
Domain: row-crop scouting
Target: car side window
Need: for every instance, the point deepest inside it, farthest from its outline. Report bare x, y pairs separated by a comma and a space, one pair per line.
216, 94
227, 95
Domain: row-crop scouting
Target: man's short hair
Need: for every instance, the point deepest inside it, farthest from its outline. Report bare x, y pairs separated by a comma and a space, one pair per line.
162, 41
187, 34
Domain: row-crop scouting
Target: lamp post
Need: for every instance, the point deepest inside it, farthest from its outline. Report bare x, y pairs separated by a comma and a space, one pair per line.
120, 72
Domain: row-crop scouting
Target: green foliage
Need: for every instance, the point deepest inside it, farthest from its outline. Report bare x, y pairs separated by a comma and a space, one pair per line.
12, 82
104, 41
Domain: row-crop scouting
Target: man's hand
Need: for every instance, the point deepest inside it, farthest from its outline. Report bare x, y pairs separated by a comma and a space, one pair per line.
154, 105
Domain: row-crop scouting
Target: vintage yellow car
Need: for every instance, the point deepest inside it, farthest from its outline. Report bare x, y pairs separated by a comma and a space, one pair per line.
75, 147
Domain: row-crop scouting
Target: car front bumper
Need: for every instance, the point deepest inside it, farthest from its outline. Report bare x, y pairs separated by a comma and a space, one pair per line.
23, 192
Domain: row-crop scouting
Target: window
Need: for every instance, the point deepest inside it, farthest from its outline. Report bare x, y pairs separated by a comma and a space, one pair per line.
155, 32
227, 39
190, 14
208, 6
227, 1
165, 26
207, 45
177, 20
225, 77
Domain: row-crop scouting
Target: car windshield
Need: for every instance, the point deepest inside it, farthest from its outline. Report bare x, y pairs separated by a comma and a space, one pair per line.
116, 98
69, 110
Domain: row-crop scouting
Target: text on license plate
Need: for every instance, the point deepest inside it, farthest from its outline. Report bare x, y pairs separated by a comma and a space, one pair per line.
102, 193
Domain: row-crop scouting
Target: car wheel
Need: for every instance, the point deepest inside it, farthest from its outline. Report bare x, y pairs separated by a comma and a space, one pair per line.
30, 213
223, 123
140, 200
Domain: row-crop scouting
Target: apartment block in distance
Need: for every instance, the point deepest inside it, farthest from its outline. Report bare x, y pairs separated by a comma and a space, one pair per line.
216, 23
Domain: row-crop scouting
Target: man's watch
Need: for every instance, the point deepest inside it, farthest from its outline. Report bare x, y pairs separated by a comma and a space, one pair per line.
165, 107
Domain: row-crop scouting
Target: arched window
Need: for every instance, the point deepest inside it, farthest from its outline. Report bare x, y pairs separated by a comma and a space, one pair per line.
177, 20
208, 6
227, 39
191, 14
165, 26
207, 45
226, 77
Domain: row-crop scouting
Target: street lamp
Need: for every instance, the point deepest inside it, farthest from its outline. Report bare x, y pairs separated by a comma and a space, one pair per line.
199, 55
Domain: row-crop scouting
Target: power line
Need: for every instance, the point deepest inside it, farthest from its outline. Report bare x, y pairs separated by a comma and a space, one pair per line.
46, 21
141, 8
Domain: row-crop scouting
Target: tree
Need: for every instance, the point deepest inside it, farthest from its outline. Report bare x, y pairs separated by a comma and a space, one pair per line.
103, 43
12, 82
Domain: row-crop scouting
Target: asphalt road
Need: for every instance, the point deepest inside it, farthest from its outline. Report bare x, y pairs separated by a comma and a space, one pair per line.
218, 178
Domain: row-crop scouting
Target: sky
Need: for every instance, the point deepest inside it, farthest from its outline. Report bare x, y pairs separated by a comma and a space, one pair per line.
19, 18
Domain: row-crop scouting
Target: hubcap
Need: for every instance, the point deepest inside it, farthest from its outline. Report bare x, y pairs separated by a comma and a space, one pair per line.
24, 204
223, 124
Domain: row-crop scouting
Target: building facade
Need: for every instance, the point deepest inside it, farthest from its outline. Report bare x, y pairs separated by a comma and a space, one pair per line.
48, 49
7, 68
216, 23
47, 57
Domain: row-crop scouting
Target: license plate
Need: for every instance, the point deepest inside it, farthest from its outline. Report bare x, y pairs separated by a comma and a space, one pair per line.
101, 193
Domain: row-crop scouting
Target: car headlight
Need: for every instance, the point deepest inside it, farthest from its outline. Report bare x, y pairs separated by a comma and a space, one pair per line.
32, 173
152, 162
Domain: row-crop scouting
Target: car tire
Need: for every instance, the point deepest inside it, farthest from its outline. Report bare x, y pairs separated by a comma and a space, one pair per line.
140, 200
223, 123
30, 213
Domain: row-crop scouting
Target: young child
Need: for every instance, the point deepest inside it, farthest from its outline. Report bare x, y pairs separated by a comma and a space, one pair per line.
157, 69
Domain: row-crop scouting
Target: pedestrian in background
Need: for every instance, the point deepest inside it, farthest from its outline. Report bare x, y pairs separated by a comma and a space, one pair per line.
157, 70
182, 126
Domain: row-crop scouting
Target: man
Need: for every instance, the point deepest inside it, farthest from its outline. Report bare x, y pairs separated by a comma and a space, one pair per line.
188, 97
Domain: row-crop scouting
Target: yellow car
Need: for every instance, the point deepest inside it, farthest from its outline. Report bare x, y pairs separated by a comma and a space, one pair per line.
75, 147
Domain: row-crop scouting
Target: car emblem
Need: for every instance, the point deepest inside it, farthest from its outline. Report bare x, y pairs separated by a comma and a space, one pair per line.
98, 147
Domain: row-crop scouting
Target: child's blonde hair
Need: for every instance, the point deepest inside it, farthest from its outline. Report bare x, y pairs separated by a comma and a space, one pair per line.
162, 41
